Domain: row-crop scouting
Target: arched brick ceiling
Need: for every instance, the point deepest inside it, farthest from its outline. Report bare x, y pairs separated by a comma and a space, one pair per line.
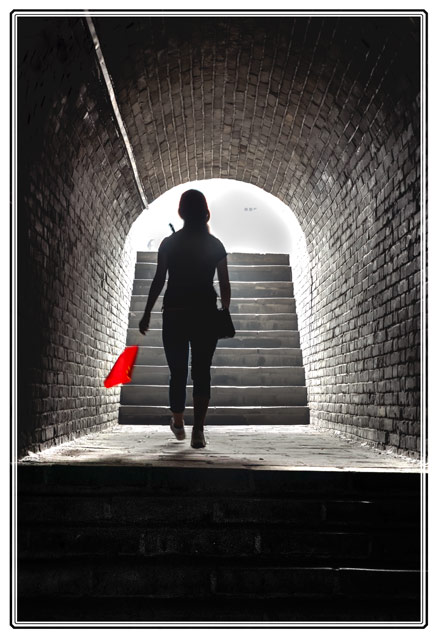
291, 105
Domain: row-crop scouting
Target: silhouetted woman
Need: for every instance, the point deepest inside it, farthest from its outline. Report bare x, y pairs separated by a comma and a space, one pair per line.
191, 256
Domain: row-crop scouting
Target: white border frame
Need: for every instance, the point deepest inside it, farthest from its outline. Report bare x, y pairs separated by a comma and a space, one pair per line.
13, 328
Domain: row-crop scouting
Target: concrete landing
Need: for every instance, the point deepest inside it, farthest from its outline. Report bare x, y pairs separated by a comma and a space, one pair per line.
255, 447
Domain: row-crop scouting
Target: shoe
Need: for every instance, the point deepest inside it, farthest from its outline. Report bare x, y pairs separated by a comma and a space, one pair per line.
197, 439
178, 432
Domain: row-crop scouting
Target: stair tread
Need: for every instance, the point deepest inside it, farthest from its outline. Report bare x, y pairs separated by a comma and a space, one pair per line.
231, 367
249, 264
256, 350
241, 331
235, 257
213, 406
232, 282
283, 314
138, 296
225, 386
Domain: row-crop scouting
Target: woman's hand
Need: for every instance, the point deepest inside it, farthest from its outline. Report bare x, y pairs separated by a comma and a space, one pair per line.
144, 323
156, 287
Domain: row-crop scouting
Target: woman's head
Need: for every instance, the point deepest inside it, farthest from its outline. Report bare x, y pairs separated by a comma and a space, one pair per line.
193, 209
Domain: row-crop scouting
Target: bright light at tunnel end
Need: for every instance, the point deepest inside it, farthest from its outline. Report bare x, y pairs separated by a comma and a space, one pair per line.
245, 218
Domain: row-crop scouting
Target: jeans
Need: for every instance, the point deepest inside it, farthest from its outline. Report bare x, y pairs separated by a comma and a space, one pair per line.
181, 328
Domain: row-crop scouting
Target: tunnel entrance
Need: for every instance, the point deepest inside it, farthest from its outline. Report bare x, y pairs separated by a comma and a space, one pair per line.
258, 377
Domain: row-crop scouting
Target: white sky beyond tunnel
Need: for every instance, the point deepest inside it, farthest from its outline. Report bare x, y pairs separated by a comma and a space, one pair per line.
243, 216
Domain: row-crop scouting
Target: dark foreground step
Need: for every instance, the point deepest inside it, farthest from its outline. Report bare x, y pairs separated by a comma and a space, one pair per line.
393, 608
321, 512
227, 376
364, 486
152, 578
304, 548
218, 416
232, 258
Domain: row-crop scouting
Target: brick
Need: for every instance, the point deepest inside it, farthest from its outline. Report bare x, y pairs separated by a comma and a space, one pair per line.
151, 579
384, 581
181, 541
313, 546
269, 510
276, 581
47, 580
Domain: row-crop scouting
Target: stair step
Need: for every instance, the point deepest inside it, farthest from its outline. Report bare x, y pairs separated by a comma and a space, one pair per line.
239, 289
375, 516
228, 356
227, 376
238, 305
289, 339
246, 273
221, 396
244, 609
282, 543
243, 321
218, 416
235, 258
150, 577
339, 489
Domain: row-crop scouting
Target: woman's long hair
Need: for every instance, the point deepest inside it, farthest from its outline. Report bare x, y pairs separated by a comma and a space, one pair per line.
193, 210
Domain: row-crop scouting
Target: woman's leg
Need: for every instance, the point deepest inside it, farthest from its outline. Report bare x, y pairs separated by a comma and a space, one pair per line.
202, 353
203, 345
201, 404
176, 345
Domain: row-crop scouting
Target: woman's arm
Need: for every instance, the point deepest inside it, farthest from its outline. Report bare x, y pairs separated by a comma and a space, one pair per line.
155, 290
224, 282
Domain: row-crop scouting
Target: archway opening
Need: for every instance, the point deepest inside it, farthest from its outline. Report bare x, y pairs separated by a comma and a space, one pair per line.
269, 273
244, 216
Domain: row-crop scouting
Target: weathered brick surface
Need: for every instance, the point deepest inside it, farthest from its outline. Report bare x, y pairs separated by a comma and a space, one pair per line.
77, 199
363, 360
322, 113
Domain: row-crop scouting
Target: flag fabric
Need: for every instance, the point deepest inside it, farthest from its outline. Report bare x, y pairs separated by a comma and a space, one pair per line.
121, 372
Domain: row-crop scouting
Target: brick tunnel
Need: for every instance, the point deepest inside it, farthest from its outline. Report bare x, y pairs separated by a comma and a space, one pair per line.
321, 112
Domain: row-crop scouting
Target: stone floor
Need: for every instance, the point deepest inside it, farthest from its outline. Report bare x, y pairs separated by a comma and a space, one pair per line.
258, 447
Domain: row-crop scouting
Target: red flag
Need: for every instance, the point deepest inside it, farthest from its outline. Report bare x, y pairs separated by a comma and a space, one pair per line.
121, 372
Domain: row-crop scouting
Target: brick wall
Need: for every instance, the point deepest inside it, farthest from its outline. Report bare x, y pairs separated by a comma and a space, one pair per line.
362, 227
363, 360
322, 113
76, 202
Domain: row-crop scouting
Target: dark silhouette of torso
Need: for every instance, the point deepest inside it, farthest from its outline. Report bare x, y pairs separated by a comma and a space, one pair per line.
192, 257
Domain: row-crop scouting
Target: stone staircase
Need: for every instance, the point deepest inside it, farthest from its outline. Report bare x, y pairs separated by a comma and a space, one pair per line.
257, 376
158, 544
